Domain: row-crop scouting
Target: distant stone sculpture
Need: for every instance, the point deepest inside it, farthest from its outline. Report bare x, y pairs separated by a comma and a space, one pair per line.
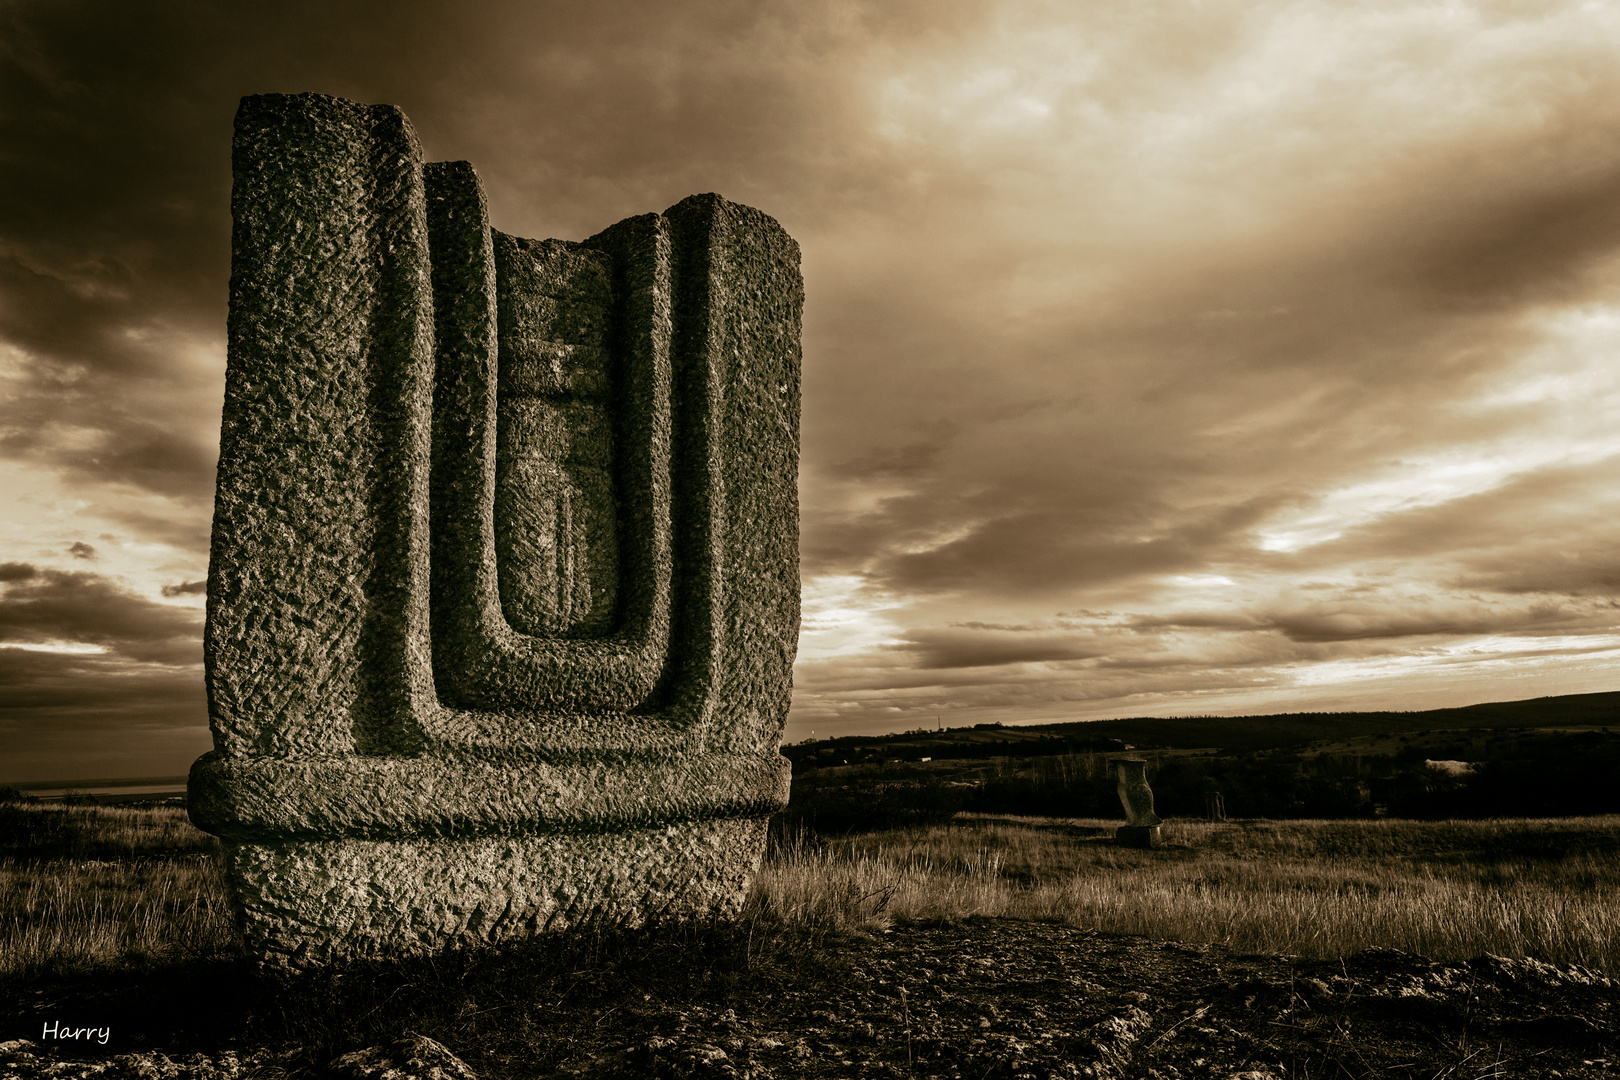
1141, 828
503, 599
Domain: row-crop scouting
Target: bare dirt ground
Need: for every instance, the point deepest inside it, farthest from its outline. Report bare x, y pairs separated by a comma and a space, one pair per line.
982, 999
1013, 999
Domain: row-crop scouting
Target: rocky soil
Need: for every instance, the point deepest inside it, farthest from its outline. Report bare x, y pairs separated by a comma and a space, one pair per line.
992, 999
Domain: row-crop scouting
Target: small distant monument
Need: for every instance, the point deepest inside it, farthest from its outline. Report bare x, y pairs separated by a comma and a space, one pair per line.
503, 598
1141, 828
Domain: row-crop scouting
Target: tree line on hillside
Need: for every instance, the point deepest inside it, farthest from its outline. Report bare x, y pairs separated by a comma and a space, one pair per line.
921, 745
1556, 776
1233, 734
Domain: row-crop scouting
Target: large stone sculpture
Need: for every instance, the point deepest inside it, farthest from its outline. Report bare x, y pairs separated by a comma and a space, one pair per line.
503, 598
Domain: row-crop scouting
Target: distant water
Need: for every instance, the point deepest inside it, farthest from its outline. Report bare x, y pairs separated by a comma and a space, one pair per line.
134, 785
112, 789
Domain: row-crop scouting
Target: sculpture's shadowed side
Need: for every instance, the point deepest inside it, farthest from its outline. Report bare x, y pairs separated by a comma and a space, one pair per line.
503, 598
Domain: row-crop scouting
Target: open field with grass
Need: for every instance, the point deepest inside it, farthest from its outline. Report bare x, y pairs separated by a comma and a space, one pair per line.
88, 886
990, 947
1447, 890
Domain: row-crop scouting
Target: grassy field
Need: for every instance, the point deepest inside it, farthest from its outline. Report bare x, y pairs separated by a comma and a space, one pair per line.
1448, 890
90, 888
83, 888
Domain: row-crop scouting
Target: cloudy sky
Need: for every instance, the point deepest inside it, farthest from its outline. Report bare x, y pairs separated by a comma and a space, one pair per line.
1160, 358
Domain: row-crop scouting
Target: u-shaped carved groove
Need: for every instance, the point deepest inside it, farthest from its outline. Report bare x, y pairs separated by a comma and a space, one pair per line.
552, 426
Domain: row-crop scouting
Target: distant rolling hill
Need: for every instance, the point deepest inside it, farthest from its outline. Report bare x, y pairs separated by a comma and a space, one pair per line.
1240, 733
1237, 734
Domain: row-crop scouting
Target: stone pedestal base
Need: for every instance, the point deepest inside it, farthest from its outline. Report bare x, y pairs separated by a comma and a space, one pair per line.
308, 902
1143, 836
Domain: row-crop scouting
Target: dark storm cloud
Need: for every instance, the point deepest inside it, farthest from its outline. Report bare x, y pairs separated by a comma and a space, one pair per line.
64, 716
114, 200
1062, 548
1371, 338
114, 229
1392, 618
1203, 383
135, 707
1543, 531
187, 588
112, 245
51, 606
95, 690
1572, 569
1514, 231
972, 647
1259, 368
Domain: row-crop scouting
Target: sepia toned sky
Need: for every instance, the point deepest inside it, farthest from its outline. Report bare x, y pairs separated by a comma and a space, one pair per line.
1159, 358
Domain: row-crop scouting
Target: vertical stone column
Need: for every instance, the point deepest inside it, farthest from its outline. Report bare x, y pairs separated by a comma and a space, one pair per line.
312, 618
503, 598
1141, 828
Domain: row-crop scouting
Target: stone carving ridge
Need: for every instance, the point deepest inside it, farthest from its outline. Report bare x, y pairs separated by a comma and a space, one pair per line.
503, 595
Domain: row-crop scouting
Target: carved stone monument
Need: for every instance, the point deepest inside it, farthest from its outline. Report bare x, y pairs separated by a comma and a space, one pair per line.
1141, 828
503, 599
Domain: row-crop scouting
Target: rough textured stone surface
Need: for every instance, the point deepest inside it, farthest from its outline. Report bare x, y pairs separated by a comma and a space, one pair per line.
556, 522
305, 901
503, 598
